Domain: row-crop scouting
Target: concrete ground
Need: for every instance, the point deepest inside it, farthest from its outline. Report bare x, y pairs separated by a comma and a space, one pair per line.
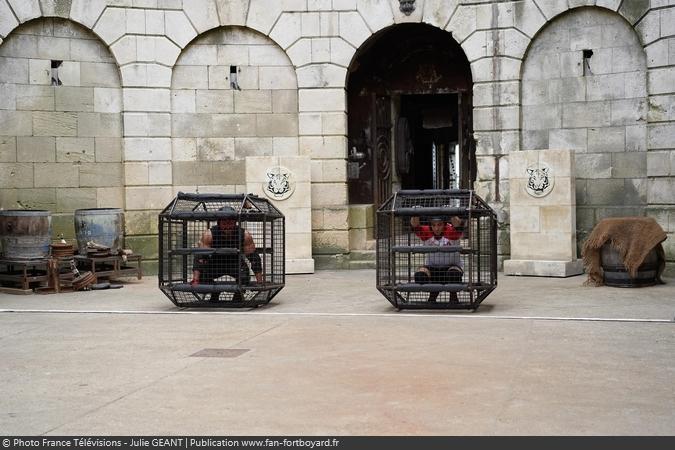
330, 356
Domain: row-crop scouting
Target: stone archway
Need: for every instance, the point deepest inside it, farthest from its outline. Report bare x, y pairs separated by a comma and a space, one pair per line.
60, 122
409, 122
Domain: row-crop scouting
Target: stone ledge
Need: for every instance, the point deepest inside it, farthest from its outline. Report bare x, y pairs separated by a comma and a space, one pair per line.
295, 266
539, 268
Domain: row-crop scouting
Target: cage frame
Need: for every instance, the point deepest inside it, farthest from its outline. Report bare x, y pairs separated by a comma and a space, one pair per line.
398, 294
247, 210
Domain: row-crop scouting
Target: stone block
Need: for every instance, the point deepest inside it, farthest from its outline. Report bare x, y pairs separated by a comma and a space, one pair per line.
190, 77
203, 14
183, 101
99, 124
629, 165
661, 108
605, 192
178, 28
660, 191
107, 100
57, 175
142, 197
253, 101
575, 139
606, 139
159, 172
7, 149
32, 98
139, 99
661, 80
277, 124
99, 75
193, 125
70, 199
233, 55
267, 55
329, 194
587, 114
227, 172
321, 50
321, 100
330, 22
353, 29
126, 50
285, 101
539, 268
287, 29
215, 149
525, 219
141, 222
136, 173
237, 125
214, 101
184, 149
70, 73
559, 246
36, 149
593, 165
330, 242
54, 124
285, 146
101, 175
658, 164
89, 50
300, 53
16, 175
70, 149
277, 78
147, 149
111, 25
110, 197
320, 75
254, 146
108, 149
44, 198
542, 117
341, 52
7, 20
154, 22
636, 138
39, 71
660, 136
15, 70
635, 191
74, 99
628, 112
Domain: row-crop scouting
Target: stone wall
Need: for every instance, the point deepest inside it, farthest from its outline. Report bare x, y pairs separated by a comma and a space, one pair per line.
60, 145
595, 104
162, 153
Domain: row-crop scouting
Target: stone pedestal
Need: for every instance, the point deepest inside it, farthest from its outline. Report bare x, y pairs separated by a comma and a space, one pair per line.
543, 214
286, 181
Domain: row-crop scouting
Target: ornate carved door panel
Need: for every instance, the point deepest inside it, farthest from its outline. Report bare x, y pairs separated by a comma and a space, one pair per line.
382, 146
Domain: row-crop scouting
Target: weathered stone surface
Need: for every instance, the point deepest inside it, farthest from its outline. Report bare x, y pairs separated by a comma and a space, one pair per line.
70, 149
57, 175
178, 28
108, 149
99, 124
147, 149
36, 149
101, 175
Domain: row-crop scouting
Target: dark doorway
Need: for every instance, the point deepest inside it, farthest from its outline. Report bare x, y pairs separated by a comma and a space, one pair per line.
409, 114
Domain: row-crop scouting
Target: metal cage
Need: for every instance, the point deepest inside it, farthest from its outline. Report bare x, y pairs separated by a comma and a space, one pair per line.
221, 250
460, 260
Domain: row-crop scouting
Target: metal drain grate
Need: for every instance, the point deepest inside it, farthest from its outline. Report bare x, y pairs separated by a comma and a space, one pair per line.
220, 352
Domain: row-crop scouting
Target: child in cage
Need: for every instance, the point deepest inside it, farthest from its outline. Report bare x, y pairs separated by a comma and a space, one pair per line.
226, 234
440, 267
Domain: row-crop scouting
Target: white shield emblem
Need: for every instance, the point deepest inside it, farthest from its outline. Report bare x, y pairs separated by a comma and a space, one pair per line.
280, 183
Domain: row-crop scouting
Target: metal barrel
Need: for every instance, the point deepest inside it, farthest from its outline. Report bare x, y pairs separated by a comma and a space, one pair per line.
616, 275
25, 234
103, 226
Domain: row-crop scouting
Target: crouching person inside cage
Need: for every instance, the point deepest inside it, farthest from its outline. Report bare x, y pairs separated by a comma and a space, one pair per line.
226, 234
440, 267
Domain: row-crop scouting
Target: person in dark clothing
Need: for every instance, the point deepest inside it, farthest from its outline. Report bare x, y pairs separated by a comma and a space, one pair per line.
227, 234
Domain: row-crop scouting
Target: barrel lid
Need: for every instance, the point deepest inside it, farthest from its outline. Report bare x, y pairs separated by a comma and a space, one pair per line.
92, 211
25, 212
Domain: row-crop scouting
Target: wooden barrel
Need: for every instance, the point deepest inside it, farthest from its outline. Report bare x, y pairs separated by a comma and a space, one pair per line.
616, 275
103, 226
25, 234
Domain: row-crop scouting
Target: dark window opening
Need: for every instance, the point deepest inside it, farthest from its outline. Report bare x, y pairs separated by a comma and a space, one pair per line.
55, 81
587, 53
233, 78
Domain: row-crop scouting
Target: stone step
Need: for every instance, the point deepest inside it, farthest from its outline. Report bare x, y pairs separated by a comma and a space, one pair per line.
359, 265
362, 255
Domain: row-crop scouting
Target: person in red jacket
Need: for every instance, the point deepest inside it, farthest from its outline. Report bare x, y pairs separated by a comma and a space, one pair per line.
440, 267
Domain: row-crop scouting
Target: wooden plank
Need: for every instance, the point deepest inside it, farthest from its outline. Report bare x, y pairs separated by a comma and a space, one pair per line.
15, 291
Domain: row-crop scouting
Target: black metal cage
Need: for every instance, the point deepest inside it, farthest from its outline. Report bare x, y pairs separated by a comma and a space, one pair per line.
221, 250
436, 249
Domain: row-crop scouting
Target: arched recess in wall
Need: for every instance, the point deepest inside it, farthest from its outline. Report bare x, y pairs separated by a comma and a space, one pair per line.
409, 91
60, 121
584, 87
233, 94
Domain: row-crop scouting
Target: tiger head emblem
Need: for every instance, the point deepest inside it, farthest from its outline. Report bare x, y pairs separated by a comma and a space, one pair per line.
279, 184
539, 182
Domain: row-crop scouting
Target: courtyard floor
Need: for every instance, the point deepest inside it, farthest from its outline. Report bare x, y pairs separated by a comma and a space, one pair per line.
330, 356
